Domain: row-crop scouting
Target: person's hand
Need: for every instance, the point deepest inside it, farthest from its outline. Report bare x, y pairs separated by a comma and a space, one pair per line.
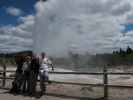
52, 67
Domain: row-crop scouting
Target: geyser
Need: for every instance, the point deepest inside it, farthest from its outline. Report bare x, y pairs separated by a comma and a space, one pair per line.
63, 26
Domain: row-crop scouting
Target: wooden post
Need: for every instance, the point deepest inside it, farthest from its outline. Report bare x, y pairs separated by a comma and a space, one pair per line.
4, 73
105, 80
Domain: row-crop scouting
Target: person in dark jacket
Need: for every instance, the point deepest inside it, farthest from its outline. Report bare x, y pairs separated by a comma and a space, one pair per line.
16, 84
34, 74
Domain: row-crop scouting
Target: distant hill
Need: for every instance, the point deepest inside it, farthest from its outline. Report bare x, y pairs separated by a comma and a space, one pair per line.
28, 52
10, 58
120, 57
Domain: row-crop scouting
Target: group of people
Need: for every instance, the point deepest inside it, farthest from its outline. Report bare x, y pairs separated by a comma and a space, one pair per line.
28, 69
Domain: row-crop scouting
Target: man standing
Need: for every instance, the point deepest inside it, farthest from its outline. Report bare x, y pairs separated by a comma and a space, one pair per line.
34, 74
43, 71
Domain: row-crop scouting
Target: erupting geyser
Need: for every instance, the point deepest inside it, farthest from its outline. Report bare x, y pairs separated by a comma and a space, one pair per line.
64, 26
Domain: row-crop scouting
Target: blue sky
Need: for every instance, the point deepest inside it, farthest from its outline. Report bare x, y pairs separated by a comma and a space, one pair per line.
12, 15
27, 7
104, 25
128, 27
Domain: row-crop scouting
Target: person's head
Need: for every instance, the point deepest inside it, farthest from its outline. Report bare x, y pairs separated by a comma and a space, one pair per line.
43, 54
27, 58
34, 56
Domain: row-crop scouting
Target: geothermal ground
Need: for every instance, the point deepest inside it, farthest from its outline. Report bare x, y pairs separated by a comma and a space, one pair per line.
75, 92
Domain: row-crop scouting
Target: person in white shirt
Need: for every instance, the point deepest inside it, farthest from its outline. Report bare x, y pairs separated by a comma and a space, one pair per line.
43, 71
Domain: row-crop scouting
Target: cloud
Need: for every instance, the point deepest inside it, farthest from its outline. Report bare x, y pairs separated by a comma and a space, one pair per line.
81, 26
17, 38
14, 11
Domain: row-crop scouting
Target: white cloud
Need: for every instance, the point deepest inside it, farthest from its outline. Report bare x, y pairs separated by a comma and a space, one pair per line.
92, 26
17, 38
14, 11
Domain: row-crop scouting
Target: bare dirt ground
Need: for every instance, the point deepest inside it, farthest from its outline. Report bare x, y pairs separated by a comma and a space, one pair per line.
71, 92
57, 92
75, 92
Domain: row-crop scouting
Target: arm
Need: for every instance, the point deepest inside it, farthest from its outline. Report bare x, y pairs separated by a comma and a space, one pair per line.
50, 63
52, 67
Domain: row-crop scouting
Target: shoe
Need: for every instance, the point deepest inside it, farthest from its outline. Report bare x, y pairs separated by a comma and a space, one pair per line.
49, 82
43, 93
29, 94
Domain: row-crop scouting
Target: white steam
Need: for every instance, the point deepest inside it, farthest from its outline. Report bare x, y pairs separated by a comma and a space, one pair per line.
79, 26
